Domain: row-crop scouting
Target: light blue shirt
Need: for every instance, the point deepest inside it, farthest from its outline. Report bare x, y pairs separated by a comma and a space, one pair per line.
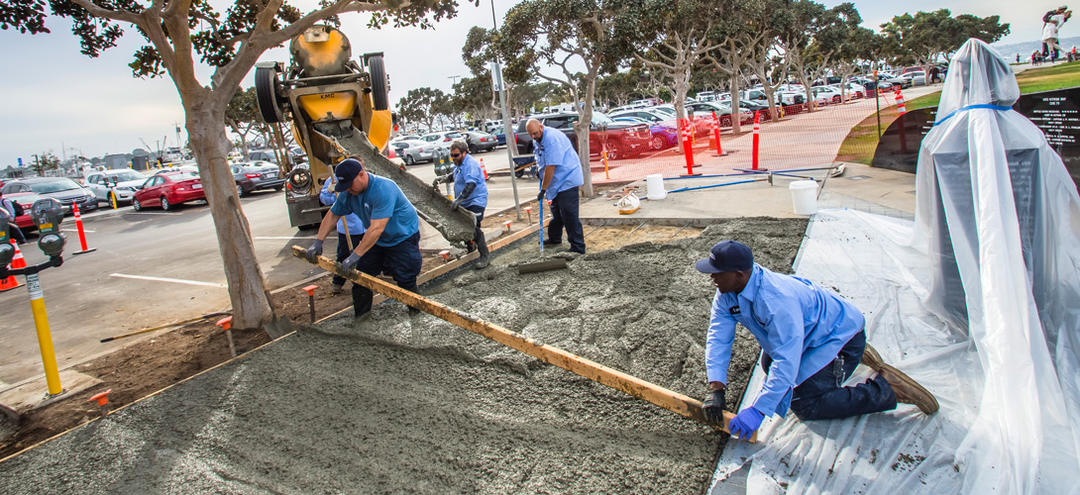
466, 173
327, 197
801, 326
554, 150
382, 199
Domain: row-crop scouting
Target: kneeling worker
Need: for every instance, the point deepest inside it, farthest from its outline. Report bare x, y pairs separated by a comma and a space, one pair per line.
391, 242
470, 192
811, 338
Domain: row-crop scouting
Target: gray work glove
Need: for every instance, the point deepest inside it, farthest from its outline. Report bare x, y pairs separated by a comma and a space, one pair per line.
315, 249
439, 180
713, 407
350, 262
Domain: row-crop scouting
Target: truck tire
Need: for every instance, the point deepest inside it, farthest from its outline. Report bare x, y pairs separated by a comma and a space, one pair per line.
379, 98
267, 85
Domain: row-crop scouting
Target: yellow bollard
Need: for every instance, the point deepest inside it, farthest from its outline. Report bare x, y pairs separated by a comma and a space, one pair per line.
41, 323
113, 196
603, 157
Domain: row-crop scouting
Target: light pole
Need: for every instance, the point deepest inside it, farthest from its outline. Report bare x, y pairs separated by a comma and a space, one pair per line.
500, 86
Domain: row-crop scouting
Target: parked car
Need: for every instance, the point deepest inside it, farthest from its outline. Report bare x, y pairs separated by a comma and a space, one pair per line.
120, 184
415, 151
663, 135
25, 200
918, 78
826, 94
262, 155
442, 139
480, 142
255, 176
62, 189
169, 190
190, 169
621, 139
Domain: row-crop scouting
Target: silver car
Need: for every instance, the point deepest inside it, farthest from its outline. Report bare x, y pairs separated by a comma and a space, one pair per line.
119, 183
415, 151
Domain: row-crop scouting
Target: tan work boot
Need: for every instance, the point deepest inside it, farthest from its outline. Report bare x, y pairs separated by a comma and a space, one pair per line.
872, 359
907, 390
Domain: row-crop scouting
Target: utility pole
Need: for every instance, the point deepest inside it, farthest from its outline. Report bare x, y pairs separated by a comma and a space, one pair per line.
499, 85
453, 81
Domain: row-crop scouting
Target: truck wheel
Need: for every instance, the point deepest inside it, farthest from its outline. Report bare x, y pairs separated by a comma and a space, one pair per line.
267, 89
377, 70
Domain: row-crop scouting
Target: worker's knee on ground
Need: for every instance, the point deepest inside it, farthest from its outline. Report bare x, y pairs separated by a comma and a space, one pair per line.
806, 409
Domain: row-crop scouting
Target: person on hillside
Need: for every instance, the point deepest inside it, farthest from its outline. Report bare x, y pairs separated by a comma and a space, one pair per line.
560, 178
391, 241
811, 341
470, 192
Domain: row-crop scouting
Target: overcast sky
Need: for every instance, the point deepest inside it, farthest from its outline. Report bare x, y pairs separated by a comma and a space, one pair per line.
59, 101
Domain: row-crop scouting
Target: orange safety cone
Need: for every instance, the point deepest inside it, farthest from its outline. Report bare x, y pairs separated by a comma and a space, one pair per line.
18, 261
757, 138
82, 233
900, 106
10, 282
483, 169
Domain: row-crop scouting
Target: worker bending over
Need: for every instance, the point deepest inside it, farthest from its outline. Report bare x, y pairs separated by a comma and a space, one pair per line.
811, 338
560, 177
470, 192
391, 241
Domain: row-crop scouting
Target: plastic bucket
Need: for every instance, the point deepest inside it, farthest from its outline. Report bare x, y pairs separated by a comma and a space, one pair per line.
655, 187
803, 196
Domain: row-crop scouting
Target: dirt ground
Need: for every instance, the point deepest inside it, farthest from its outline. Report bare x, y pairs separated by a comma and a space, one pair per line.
400, 402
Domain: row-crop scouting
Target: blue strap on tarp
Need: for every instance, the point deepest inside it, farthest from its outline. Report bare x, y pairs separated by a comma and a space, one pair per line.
1000, 108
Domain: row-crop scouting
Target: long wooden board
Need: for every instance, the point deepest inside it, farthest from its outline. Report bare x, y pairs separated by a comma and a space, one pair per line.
660, 396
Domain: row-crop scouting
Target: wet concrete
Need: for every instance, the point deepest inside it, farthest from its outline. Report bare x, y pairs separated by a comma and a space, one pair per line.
406, 402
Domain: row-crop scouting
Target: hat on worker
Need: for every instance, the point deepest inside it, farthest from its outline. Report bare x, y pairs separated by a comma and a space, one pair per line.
727, 256
346, 171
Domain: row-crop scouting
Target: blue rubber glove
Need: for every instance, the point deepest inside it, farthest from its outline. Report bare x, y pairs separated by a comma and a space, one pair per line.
350, 262
746, 423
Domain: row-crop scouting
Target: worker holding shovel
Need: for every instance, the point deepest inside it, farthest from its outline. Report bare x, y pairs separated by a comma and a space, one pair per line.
391, 241
811, 338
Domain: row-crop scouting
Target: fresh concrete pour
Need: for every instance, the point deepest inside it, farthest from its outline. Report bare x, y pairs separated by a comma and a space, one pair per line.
407, 402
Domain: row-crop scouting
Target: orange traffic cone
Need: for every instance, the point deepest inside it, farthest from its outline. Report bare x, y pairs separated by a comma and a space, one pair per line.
483, 169
10, 282
18, 261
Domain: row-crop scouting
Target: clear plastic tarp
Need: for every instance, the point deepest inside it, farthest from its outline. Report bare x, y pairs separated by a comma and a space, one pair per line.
978, 300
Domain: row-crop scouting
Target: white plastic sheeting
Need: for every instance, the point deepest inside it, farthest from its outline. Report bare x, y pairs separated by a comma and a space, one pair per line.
978, 300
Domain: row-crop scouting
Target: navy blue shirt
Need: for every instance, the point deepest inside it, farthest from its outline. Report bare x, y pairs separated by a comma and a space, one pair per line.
382, 199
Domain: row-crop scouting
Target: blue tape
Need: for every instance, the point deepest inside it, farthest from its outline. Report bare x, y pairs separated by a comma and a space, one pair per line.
1000, 108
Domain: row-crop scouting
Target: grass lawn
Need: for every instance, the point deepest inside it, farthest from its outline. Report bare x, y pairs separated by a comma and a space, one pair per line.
861, 142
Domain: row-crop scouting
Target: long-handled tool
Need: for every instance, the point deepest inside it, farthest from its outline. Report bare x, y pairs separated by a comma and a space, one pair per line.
162, 327
541, 230
660, 396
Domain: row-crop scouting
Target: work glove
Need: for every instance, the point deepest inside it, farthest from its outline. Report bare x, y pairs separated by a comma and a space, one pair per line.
455, 204
350, 262
746, 423
315, 249
540, 196
440, 179
713, 407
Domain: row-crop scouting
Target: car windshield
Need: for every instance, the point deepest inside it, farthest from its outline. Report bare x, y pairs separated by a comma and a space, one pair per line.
127, 175
53, 186
599, 118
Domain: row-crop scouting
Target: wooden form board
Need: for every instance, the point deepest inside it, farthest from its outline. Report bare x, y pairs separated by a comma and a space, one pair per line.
655, 394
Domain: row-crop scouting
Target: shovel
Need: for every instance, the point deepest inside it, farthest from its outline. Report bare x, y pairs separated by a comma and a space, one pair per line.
544, 265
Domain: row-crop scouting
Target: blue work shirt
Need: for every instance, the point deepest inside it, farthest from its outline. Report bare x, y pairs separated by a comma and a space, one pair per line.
801, 326
327, 197
382, 199
469, 173
554, 150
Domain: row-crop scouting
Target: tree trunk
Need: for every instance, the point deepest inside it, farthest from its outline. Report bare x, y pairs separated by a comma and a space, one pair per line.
583, 127
736, 112
206, 137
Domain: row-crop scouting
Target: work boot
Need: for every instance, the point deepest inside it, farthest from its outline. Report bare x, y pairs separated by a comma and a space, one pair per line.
907, 390
337, 289
481, 245
872, 359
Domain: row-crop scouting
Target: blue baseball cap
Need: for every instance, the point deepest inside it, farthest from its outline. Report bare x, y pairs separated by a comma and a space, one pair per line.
346, 171
727, 256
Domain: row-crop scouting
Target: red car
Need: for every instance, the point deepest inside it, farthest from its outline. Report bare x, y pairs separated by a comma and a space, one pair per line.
26, 200
168, 190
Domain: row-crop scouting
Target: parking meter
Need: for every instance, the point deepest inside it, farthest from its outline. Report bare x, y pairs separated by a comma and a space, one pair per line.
443, 163
47, 214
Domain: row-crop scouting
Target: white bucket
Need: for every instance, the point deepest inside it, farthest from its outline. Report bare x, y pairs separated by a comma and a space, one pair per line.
655, 187
803, 196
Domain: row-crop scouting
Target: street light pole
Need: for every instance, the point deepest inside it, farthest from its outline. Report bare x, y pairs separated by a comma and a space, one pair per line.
508, 130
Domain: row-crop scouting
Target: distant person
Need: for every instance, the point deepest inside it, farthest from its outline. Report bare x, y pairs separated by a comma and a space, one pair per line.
355, 229
470, 192
9, 210
811, 341
1052, 23
391, 241
1018, 58
560, 178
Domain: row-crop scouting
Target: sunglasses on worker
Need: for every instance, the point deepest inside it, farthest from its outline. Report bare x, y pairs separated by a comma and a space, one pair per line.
455, 155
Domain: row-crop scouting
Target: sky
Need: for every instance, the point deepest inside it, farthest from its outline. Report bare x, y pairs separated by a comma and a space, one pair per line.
63, 102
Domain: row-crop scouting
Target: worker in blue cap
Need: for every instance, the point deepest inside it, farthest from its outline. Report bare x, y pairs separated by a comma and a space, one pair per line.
391, 241
811, 338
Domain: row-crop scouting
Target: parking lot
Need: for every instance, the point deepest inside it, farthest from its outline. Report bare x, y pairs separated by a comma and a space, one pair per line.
154, 267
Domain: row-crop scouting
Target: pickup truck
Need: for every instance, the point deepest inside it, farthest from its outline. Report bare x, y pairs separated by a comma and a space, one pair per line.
623, 139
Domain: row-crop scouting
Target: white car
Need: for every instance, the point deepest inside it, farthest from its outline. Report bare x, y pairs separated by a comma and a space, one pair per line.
120, 183
442, 139
825, 94
918, 78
